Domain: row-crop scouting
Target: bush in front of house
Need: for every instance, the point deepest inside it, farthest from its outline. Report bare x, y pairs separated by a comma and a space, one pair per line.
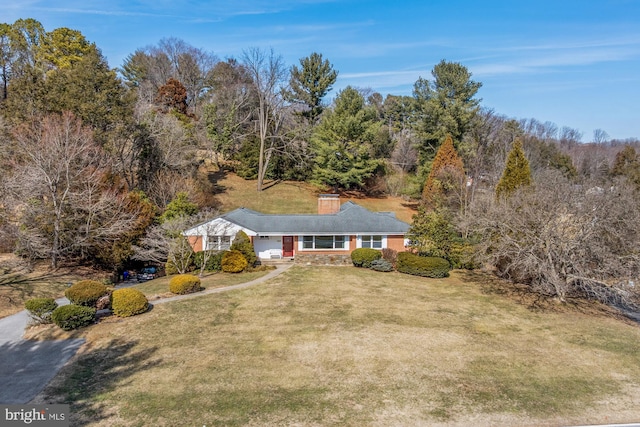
362, 257
381, 265
425, 266
86, 292
40, 309
72, 316
390, 255
128, 302
242, 243
184, 284
234, 262
214, 261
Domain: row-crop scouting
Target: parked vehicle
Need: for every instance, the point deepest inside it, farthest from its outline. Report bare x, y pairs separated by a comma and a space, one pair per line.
147, 273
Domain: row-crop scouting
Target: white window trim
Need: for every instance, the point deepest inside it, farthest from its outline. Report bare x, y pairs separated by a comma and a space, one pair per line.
359, 240
218, 244
347, 239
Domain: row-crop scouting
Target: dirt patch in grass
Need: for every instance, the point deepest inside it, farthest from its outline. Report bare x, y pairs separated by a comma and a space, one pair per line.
352, 347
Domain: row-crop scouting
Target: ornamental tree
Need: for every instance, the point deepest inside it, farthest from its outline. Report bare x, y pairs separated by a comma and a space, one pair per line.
516, 173
445, 185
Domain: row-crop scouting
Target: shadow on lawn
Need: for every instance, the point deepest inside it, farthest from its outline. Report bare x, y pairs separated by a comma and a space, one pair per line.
97, 371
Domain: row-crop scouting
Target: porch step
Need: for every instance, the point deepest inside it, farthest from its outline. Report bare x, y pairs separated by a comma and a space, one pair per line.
276, 261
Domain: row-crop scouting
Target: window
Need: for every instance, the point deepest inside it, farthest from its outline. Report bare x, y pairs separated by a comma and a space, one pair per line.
218, 243
374, 242
324, 242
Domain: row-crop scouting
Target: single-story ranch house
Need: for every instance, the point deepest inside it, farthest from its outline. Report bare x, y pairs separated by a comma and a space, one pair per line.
327, 237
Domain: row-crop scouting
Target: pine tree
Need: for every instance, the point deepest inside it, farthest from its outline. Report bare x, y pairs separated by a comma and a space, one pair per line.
343, 143
445, 184
516, 172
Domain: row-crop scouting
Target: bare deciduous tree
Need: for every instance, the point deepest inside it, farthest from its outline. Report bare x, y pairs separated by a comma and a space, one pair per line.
60, 195
268, 73
563, 239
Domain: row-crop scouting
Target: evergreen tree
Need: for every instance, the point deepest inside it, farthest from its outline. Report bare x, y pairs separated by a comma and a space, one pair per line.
445, 186
516, 172
180, 206
242, 244
343, 143
446, 105
627, 164
310, 83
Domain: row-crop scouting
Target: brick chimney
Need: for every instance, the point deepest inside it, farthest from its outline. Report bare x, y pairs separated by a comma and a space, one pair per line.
328, 204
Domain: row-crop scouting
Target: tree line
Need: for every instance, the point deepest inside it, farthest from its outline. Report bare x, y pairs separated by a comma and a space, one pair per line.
93, 157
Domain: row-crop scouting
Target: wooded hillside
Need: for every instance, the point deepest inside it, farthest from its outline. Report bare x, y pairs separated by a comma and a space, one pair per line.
93, 158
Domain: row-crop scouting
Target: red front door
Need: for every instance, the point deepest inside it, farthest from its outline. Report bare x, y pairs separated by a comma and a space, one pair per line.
287, 246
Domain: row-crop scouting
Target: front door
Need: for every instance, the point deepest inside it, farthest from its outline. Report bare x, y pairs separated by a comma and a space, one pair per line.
287, 246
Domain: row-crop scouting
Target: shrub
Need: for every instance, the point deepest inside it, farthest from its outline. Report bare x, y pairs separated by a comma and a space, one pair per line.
381, 265
234, 262
242, 243
73, 316
86, 292
422, 266
362, 257
462, 255
170, 268
184, 284
40, 309
214, 262
390, 255
127, 302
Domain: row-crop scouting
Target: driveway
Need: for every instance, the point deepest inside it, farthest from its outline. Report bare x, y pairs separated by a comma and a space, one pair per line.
27, 366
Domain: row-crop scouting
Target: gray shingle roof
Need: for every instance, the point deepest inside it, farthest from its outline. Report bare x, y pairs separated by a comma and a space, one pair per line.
351, 219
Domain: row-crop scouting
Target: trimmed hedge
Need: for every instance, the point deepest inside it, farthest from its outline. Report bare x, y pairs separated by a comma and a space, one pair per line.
128, 302
381, 265
86, 292
184, 284
40, 309
422, 266
234, 262
362, 257
73, 316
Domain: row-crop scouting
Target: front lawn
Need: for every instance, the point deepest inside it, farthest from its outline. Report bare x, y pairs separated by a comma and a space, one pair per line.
160, 286
344, 346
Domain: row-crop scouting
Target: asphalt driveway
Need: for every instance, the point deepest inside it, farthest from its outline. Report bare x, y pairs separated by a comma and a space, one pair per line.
27, 366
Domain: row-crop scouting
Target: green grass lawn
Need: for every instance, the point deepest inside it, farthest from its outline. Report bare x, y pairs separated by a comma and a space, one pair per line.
160, 286
340, 346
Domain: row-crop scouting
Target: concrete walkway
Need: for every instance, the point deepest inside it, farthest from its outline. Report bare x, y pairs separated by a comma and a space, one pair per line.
27, 366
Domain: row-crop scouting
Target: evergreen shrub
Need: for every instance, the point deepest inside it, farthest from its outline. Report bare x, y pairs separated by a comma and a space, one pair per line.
86, 292
214, 263
73, 316
381, 265
234, 262
40, 309
424, 266
242, 243
362, 257
128, 302
184, 284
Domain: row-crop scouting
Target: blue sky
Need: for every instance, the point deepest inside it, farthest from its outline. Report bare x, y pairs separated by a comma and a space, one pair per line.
575, 63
